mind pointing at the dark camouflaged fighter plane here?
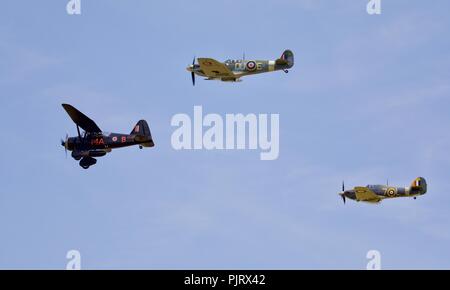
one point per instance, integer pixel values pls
(376, 193)
(233, 70)
(95, 143)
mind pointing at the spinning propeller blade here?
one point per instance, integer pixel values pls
(192, 73)
(65, 143)
(343, 191)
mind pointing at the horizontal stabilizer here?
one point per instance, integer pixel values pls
(419, 185)
(286, 59)
(142, 134)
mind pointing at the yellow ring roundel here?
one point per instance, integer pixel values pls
(391, 192)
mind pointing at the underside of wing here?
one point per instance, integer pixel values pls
(81, 119)
(365, 194)
(214, 69)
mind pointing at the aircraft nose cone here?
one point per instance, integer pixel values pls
(342, 194)
(190, 68)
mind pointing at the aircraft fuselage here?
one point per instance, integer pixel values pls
(243, 68)
(384, 192)
(377, 193)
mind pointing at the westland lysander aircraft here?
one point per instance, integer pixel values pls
(376, 193)
(233, 70)
(95, 143)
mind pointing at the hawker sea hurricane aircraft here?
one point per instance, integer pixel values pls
(95, 143)
(376, 193)
(233, 70)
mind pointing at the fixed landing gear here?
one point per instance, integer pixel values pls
(86, 162)
(286, 71)
(140, 147)
(415, 197)
(75, 156)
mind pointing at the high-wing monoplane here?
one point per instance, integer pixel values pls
(93, 142)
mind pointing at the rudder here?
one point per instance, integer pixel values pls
(288, 56)
(419, 185)
(142, 134)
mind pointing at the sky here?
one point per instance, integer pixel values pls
(367, 100)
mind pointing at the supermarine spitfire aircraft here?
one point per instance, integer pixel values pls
(95, 143)
(233, 70)
(376, 193)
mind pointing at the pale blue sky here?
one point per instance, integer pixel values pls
(367, 100)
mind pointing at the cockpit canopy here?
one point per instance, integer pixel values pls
(233, 61)
(371, 186)
(96, 134)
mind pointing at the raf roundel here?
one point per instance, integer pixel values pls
(391, 192)
(251, 65)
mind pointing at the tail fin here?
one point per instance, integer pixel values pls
(142, 134)
(287, 58)
(419, 185)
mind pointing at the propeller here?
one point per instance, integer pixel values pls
(65, 143)
(192, 73)
(343, 190)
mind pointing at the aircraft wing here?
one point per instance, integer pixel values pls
(81, 119)
(212, 68)
(365, 194)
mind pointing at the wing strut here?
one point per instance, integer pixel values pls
(78, 130)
